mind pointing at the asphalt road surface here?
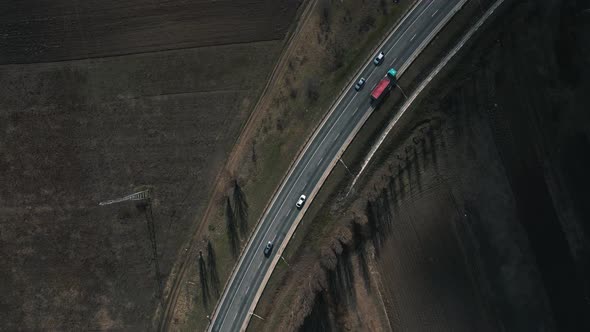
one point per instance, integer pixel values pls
(238, 297)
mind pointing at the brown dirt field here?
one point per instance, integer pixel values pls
(74, 133)
(423, 268)
(45, 31)
(473, 207)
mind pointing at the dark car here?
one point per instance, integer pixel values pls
(268, 249)
(359, 85)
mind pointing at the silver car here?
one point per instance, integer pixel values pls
(301, 201)
(359, 85)
(379, 58)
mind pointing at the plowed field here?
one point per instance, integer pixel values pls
(146, 104)
(42, 31)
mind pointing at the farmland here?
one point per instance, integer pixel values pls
(62, 30)
(102, 100)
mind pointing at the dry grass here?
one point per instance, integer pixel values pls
(316, 68)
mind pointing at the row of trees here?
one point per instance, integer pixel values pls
(208, 274)
(236, 218)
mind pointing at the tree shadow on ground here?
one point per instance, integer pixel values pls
(203, 278)
(319, 318)
(358, 242)
(379, 219)
(212, 268)
(416, 163)
(374, 227)
(240, 208)
(232, 231)
(341, 279)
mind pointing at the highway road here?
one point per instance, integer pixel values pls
(319, 156)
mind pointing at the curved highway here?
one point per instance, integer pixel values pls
(321, 153)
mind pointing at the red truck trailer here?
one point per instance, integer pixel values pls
(383, 87)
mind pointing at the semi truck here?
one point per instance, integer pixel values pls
(383, 87)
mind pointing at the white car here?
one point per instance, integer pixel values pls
(300, 202)
(379, 58)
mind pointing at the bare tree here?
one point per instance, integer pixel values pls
(231, 228)
(203, 279)
(240, 208)
(212, 267)
(325, 7)
(312, 88)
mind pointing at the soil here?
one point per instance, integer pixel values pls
(75, 133)
(46, 31)
(474, 214)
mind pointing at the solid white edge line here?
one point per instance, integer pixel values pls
(283, 245)
(247, 320)
(288, 195)
(275, 196)
(421, 87)
(409, 26)
(245, 323)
